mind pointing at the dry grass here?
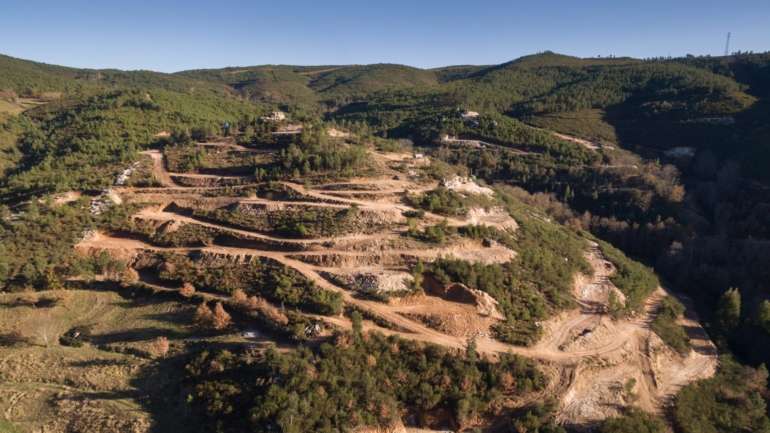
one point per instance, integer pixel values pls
(10, 108)
(93, 388)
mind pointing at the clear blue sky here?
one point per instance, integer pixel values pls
(174, 35)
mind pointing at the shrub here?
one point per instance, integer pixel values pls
(635, 421)
(159, 347)
(666, 327)
(634, 279)
(187, 290)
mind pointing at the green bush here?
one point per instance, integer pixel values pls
(635, 421)
(731, 401)
(635, 280)
(664, 324)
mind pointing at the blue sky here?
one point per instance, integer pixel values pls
(175, 35)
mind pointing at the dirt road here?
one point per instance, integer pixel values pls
(158, 168)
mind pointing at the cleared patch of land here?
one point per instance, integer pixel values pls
(597, 364)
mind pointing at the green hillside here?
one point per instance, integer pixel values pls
(457, 182)
(359, 81)
(276, 84)
(308, 85)
(29, 78)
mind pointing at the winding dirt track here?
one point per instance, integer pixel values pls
(159, 169)
(573, 340)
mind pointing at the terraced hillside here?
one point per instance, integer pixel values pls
(375, 255)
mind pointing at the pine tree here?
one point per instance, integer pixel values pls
(729, 310)
(357, 322)
(764, 315)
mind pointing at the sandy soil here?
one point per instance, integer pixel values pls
(66, 197)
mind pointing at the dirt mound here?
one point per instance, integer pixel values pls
(169, 227)
(457, 324)
(495, 216)
(474, 251)
(379, 282)
(93, 243)
(485, 304)
(600, 389)
(66, 197)
(466, 185)
(336, 133)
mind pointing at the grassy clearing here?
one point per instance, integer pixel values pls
(95, 387)
(101, 386)
(8, 107)
(589, 124)
(192, 158)
(7, 427)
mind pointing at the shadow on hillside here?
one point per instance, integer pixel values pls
(698, 335)
(163, 391)
(182, 316)
(660, 132)
(98, 363)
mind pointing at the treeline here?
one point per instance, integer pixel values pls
(655, 89)
(731, 401)
(34, 79)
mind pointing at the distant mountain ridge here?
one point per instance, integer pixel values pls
(311, 84)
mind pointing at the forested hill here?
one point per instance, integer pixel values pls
(27, 78)
(537, 84)
(666, 159)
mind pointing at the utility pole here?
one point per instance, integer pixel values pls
(727, 45)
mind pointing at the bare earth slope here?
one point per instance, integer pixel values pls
(598, 365)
